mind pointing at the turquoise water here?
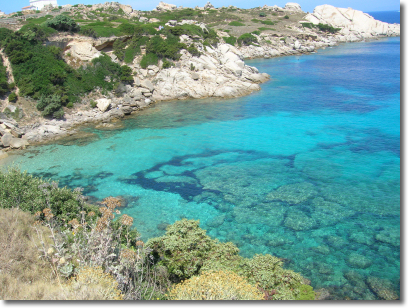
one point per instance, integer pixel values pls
(307, 169)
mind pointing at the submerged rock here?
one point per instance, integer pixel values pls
(382, 288)
(359, 261)
(293, 193)
(299, 221)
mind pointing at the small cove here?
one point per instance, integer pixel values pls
(307, 169)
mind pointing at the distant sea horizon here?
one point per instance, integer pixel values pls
(390, 17)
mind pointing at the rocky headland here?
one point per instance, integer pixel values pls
(207, 70)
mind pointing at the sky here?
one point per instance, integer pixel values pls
(307, 5)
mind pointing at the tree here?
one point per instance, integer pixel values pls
(63, 23)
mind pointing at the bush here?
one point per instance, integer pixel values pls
(257, 32)
(167, 64)
(88, 32)
(93, 104)
(306, 293)
(267, 22)
(262, 14)
(149, 59)
(236, 24)
(219, 285)
(193, 51)
(286, 17)
(4, 85)
(63, 23)
(33, 195)
(70, 105)
(230, 40)
(247, 39)
(327, 28)
(12, 97)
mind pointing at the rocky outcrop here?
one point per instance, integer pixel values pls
(83, 51)
(293, 7)
(218, 72)
(352, 22)
(165, 7)
(208, 6)
(11, 136)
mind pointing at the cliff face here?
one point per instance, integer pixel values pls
(352, 22)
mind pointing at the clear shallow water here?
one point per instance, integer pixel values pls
(307, 169)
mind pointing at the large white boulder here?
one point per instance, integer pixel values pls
(83, 50)
(294, 7)
(350, 20)
(165, 6)
(103, 104)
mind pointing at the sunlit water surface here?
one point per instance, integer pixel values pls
(307, 169)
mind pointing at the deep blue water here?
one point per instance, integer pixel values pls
(387, 16)
(307, 169)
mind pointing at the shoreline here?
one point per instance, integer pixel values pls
(74, 121)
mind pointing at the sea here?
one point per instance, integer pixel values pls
(307, 168)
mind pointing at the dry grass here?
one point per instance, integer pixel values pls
(23, 275)
(220, 285)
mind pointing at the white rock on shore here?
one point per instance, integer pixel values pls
(351, 21)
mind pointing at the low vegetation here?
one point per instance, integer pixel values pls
(68, 249)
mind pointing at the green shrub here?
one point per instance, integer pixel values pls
(257, 32)
(12, 97)
(193, 51)
(63, 23)
(70, 105)
(167, 64)
(31, 194)
(255, 20)
(308, 25)
(230, 40)
(306, 293)
(286, 17)
(236, 24)
(4, 85)
(93, 104)
(215, 285)
(247, 39)
(149, 59)
(51, 106)
(88, 32)
(267, 22)
(327, 28)
(262, 14)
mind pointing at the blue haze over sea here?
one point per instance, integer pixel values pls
(307, 169)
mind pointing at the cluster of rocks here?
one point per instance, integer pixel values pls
(12, 137)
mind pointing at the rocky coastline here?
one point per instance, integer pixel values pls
(217, 72)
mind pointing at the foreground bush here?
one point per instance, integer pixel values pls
(220, 285)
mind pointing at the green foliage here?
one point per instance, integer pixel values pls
(167, 64)
(51, 106)
(63, 23)
(193, 51)
(247, 39)
(183, 249)
(308, 25)
(88, 32)
(306, 293)
(262, 14)
(230, 40)
(267, 272)
(4, 86)
(33, 195)
(165, 48)
(327, 28)
(119, 49)
(70, 105)
(286, 17)
(257, 32)
(33, 32)
(12, 97)
(267, 22)
(236, 24)
(126, 74)
(93, 104)
(255, 20)
(149, 59)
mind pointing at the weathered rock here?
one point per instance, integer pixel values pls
(147, 84)
(208, 6)
(195, 76)
(17, 143)
(127, 109)
(293, 193)
(350, 20)
(103, 104)
(6, 139)
(216, 221)
(143, 19)
(299, 221)
(82, 50)
(165, 6)
(294, 7)
(382, 288)
(359, 261)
